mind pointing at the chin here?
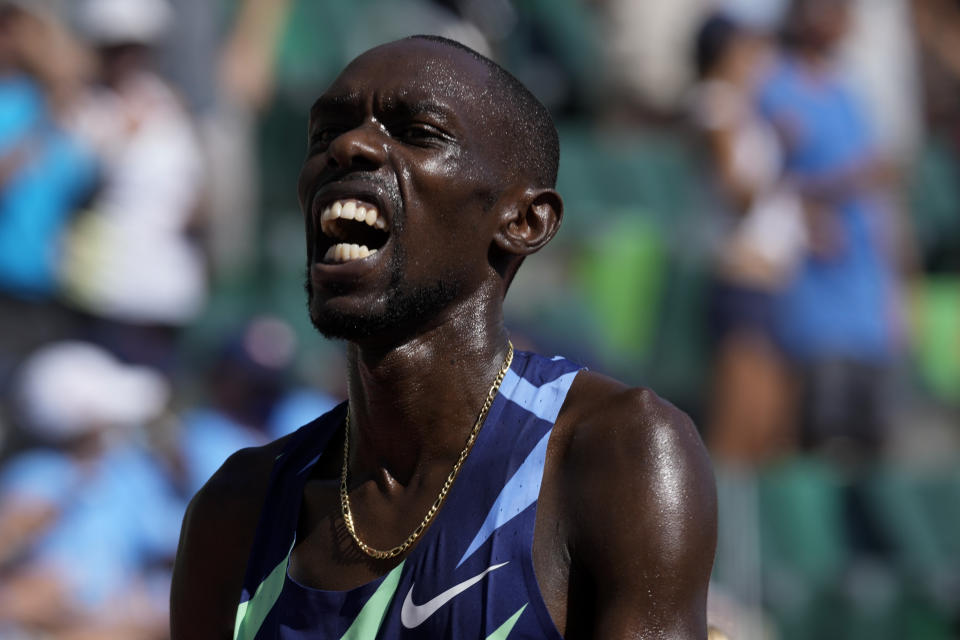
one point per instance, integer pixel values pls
(404, 311)
(336, 325)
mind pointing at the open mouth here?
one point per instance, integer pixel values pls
(355, 229)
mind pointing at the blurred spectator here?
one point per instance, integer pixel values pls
(88, 523)
(879, 56)
(44, 176)
(646, 44)
(937, 24)
(750, 410)
(244, 86)
(249, 401)
(131, 261)
(838, 316)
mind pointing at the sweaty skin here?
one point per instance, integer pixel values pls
(626, 522)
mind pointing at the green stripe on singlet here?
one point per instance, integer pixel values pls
(504, 630)
(367, 623)
(252, 613)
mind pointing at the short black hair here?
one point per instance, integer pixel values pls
(536, 143)
(713, 41)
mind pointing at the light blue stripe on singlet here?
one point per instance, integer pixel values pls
(523, 488)
(543, 401)
(520, 492)
(310, 464)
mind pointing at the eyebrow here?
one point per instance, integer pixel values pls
(335, 104)
(344, 104)
(418, 107)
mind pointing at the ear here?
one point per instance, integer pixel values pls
(530, 223)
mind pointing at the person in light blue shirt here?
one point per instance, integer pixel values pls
(45, 175)
(836, 318)
(89, 518)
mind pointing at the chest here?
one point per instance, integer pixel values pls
(492, 563)
(468, 571)
(325, 556)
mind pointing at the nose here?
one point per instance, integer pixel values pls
(363, 147)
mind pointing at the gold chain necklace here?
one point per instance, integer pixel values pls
(403, 546)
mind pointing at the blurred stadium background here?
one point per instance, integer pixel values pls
(152, 315)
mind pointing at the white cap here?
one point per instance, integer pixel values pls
(69, 388)
(108, 22)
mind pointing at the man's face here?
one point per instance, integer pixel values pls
(402, 165)
(827, 22)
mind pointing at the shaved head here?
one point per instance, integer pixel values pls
(532, 134)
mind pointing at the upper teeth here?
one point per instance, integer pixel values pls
(351, 210)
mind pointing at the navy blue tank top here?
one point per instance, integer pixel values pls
(471, 574)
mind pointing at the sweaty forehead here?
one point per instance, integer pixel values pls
(412, 71)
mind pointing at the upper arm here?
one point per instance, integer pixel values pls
(644, 508)
(215, 540)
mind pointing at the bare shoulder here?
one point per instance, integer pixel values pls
(635, 430)
(642, 507)
(215, 540)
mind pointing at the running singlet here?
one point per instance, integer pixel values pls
(470, 577)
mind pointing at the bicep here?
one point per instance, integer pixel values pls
(646, 511)
(215, 540)
(201, 595)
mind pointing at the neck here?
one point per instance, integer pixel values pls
(412, 404)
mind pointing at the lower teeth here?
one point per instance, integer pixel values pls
(345, 252)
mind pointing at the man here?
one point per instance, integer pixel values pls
(578, 508)
(838, 318)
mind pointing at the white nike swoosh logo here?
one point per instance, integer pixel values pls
(412, 615)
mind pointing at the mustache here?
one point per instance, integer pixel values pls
(384, 186)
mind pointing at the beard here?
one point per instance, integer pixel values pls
(406, 308)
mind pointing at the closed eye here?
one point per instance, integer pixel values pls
(420, 134)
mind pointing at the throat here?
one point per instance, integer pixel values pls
(417, 406)
(420, 456)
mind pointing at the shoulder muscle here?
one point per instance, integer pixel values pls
(643, 512)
